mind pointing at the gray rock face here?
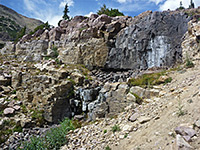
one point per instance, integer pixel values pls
(154, 41)
(32, 51)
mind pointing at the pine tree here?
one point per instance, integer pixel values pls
(109, 12)
(66, 11)
(191, 4)
(181, 5)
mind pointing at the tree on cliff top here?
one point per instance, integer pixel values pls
(110, 12)
(66, 11)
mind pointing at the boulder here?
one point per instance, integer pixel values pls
(181, 144)
(186, 132)
(4, 81)
(133, 117)
(8, 111)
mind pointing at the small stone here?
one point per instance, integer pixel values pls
(126, 128)
(144, 119)
(16, 107)
(121, 136)
(8, 111)
(134, 117)
(197, 123)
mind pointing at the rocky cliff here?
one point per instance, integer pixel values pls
(43, 79)
(146, 41)
(11, 22)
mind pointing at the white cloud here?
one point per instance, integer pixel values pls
(64, 2)
(156, 1)
(48, 13)
(53, 20)
(121, 1)
(30, 5)
(174, 4)
(124, 1)
(88, 15)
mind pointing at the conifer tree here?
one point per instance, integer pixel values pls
(66, 11)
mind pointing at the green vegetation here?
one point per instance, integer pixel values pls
(115, 128)
(189, 63)
(81, 29)
(110, 12)
(53, 139)
(38, 116)
(147, 80)
(7, 128)
(24, 109)
(66, 11)
(180, 111)
(181, 6)
(105, 131)
(138, 98)
(42, 26)
(55, 50)
(1, 112)
(20, 34)
(107, 148)
(72, 81)
(13, 92)
(126, 135)
(9, 28)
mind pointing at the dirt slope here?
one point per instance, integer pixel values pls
(183, 93)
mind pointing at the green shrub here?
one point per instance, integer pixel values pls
(53, 139)
(180, 111)
(35, 143)
(107, 148)
(105, 131)
(115, 128)
(189, 63)
(42, 26)
(148, 80)
(109, 12)
(126, 135)
(38, 116)
(20, 34)
(55, 50)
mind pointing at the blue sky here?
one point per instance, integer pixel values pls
(52, 10)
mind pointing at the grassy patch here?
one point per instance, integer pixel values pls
(53, 139)
(107, 148)
(7, 128)
(105, 131)
(189, 63)
(148, 80)
(126, 135)
(180, 111)
(138, 98)
(38, 116)
(115, 128)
